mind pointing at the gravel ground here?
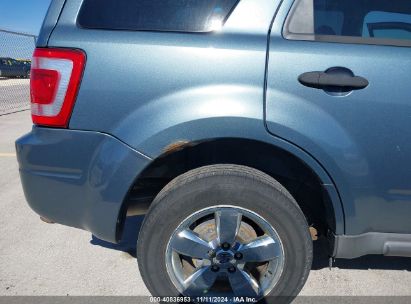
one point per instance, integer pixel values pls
(42, 259)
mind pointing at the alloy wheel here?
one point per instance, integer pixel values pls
(225, 251)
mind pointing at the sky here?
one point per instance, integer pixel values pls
(23, 15)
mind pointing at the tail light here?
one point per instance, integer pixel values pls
(54, 83)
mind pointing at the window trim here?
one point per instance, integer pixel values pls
(153, 30)
(336, 38)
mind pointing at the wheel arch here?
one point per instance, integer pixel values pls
(295, 169)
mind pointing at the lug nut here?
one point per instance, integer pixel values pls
(225, 246)
(215, 268)
(238, 256)
(232, 269)
(211, 254)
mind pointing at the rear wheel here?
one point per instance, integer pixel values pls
(224, 230)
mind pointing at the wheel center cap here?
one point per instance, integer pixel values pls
(224, 257)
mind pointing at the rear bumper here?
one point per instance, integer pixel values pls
(78, 178)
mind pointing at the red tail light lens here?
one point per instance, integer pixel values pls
(54, 84)
(44, 85)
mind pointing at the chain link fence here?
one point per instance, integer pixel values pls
(16, 50)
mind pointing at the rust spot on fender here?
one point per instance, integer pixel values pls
(177, 146)
(314, 233)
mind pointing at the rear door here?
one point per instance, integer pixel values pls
(339, 86)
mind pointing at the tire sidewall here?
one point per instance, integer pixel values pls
(270, 203)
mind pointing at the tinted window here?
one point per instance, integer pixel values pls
(356, 21)
(387, 25)
(155, 15)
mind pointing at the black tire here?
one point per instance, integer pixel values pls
(225, 184)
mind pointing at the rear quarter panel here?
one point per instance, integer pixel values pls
(150, 89)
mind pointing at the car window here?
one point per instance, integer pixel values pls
(155, 15)
(387, 25)
(351, 21)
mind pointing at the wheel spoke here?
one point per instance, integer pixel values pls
(243, 284)
(190, 244)
(261, 249)
(200, 282)
(227, 225)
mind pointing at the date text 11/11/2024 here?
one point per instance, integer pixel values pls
(202, 300)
